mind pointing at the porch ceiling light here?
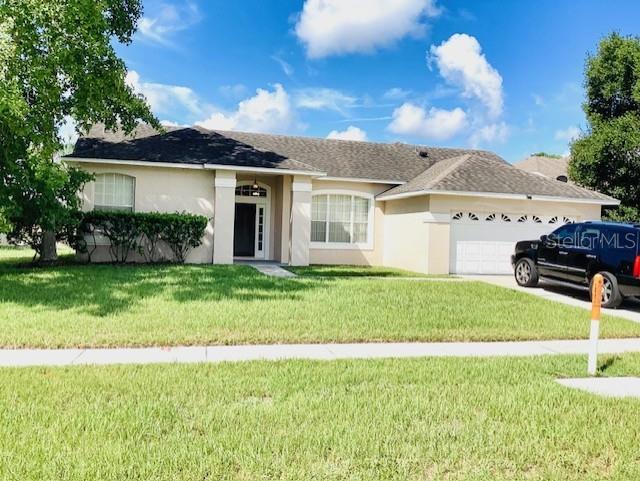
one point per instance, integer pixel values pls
(255, 188)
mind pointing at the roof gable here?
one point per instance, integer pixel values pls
(478, 174)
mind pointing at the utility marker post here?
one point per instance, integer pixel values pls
(596, 303)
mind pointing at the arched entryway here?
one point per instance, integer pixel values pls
(252, 220)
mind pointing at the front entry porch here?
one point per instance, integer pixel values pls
(262, 217)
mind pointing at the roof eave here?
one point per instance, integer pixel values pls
(497, 195)
(363, 180)
(177, 165)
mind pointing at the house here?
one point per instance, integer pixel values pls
(545, 166)
(300, 200)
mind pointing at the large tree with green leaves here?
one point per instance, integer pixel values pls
(607, 156)
(57, 62)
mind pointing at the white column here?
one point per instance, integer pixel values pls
(285, 223)
(224, 216)
(300, 220)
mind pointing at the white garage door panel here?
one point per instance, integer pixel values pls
(483, 257)
(485, 247)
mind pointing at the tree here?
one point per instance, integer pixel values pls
(607, 157)
(57, 62)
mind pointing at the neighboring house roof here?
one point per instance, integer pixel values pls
(550, 167)
(416, 168)
(472, 173)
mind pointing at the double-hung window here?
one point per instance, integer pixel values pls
(341, 219)
(114, 192)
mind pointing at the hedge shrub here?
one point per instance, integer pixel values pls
(143, 233)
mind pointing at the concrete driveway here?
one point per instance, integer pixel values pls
(630, 309)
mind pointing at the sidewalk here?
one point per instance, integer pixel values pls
(192, 354)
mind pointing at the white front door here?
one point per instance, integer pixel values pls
(482, 243)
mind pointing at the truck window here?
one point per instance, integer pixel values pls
(590, 237)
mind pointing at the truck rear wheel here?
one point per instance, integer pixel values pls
(611, 295)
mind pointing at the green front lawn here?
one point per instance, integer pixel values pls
(104, 305)
(352, 271)
(428, 419)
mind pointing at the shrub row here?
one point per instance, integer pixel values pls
(142, 233)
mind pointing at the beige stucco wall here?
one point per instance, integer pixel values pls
(373, 256)
(418, 239)
(165, 190)
(406, 236)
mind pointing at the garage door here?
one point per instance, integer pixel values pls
(482, 243)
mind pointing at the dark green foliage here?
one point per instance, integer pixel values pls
(57, 62)
(613, 79)
(142, 233)
(607, 157)
(183, 232)
(49, 196)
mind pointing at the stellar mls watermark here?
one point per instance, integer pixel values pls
(594, 240)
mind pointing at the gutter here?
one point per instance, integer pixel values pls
(175, 165)
(495, 195)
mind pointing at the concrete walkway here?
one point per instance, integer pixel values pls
(566, 295)
(271, 269)
(154, 355)
(606, 386)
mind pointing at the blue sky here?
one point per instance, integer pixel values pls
(501, 75)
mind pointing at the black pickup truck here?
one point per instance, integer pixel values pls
(574, 253)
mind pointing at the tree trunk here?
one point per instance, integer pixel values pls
(49, 252)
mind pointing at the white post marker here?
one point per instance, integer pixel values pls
(596, 303)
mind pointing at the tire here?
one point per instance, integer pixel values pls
(611, 295)
(526, 273)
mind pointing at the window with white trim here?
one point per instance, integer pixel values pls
(114, 192)
(340, 218)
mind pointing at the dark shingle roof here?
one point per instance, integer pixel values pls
(362, 160)
(419, 168)
(179, 145)
(474, 173)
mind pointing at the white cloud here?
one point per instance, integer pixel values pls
(396, 93)
(324, 99)
(350, 133)
(166, 99)
(461, 62)
(284, 65)
(569, 134)
(334, 27)
(267, 111)
(171, 123)
(491, 133)
(162, 25)
(434, 124)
